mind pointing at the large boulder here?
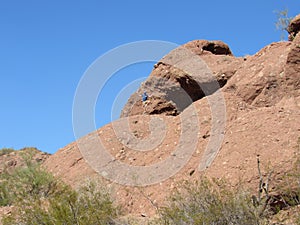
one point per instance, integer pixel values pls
(294, 27)
(215, 47)
(190, 73)
(187, 74)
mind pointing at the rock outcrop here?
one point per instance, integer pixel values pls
(292, 69)
(260, 80)
(178, 78)
(215, 47)
(262, 102)
(294, 27)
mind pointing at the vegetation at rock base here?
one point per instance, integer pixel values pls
(28, 182)
(5, 151)
(289, 190)
(84, 206)
(212, 202)
(39, 198)
(207, 202)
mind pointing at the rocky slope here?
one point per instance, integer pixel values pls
(261, 96)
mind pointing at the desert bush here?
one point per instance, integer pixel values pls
(40, 198)
(86, 206)
(25, 183)
(289, 187)
(294, 181)
(5, 151)
(205, 202)
(283, 21)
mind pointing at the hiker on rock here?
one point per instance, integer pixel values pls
(145, 100)
(144, 97)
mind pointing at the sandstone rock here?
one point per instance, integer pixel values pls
(154, 105)
(261, 79)
(292, 68)
(262, 100)
(294, 27)
(271, 132)
(201, 46)
(185, 75)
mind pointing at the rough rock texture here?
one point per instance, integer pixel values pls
(69, 164)
(178, 78)
(271, 132)
(154, 105)
(261, 81)
(292, 69)
(262, 103)
(201, 46)
(294, 27)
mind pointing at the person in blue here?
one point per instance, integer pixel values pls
(144, 97)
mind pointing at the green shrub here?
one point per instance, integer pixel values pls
(293, 182)
(87, 206)
(40, 198)
(204, 202)
(5, 151)
(288, 189)
(25, 183)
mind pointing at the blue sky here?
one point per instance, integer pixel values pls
(46, 46)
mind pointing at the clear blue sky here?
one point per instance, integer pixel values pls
(46, 46)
